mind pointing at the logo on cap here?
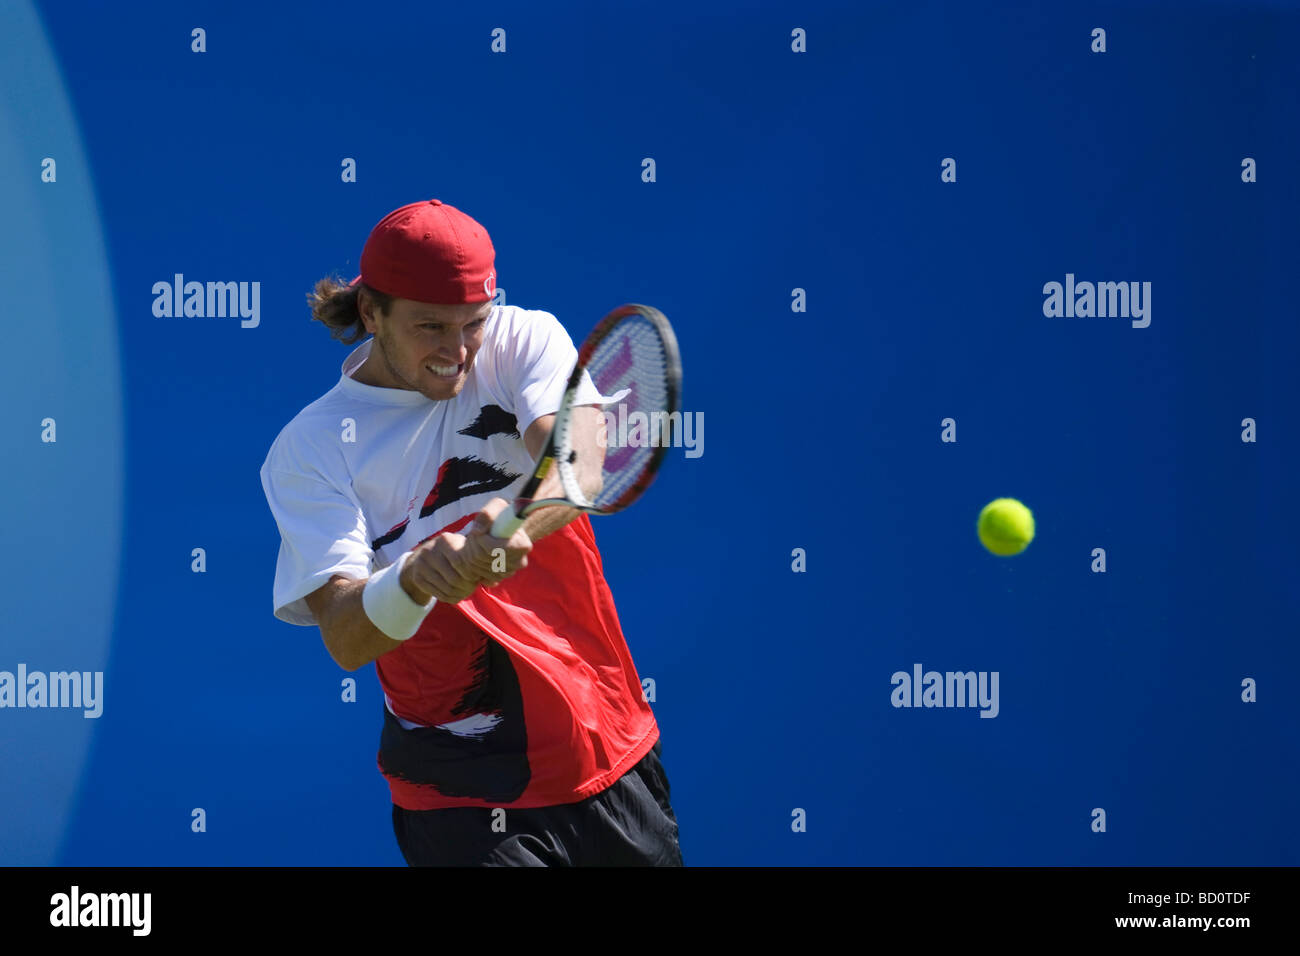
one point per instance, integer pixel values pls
(490, 283)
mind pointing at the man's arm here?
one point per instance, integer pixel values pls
(588, 439)
(451, 567)
(351, 637)
(352, 640)
(586, 428)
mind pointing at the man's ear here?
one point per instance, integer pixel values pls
(366, 306)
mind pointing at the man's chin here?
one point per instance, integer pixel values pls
(439, 388)
(442, 391)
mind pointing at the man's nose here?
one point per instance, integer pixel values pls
(453, 345)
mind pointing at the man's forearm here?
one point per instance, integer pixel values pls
(552, 518)
(586, 430)
(350, 636)
(548, 520)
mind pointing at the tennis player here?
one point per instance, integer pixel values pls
(515, 731)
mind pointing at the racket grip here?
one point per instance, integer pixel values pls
(506, 524)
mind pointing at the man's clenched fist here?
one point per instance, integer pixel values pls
(493, 559)
(451, 566)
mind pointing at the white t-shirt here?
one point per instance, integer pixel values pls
(363, 473)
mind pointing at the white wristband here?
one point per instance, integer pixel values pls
(388, 605)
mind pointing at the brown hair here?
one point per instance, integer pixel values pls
(334, 304)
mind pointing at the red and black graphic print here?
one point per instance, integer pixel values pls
(481, 749)
(467, 475)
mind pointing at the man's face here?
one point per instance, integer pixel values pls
(421, 347)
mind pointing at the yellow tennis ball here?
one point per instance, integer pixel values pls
(1005, 526)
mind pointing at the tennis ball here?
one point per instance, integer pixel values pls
(1005, 526)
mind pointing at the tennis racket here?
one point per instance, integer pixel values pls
(632, 360)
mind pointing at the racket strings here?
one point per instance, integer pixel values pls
(632, 358)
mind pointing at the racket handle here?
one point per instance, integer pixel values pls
(506, 524)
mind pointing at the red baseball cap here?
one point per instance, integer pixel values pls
(430, 252)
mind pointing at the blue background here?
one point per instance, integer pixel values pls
(775, 171)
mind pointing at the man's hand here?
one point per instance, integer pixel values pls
(491, 559)
(451, 566)
(433, 571)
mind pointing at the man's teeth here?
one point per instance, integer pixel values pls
(443, 369)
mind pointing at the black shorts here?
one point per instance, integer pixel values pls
(630, 823)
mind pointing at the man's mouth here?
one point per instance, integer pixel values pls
(445, 371)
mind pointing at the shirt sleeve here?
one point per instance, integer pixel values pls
(322, 533)
(539, 365)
